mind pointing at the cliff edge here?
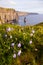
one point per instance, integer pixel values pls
(8, 15)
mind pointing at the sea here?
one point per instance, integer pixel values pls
(31, 19)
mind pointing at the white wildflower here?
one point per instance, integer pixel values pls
(33, 31)
(5, 35)
(12, 44)
(11, 36)
(19, 45)
(9, 29)
(19, 52)
(14, 56)
(30, 42)
(31, 34)
(36, 49)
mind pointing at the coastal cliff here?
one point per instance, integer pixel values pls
(7, 15)
(22, 13)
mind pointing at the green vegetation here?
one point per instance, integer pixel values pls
(21, 45)
(40, 24)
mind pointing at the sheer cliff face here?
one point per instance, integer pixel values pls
(8, 14)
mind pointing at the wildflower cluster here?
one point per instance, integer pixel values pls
(19, 52)
(13, 44)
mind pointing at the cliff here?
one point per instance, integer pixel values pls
(7, 14)
(22, 13)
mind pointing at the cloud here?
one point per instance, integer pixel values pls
(21, 5)
(12, 2)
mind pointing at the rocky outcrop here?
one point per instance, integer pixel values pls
(8, 15)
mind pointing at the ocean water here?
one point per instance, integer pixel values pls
(31, 19)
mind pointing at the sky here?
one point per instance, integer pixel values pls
(35, 6)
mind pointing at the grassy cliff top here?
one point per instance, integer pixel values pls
(40, 24)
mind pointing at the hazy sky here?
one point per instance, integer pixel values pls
(24, 5)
